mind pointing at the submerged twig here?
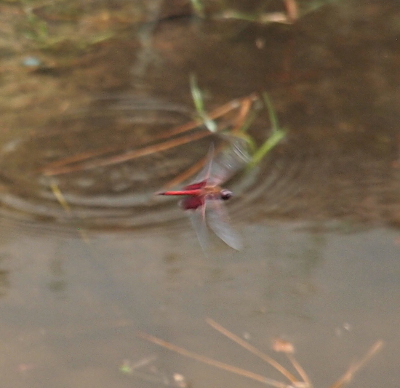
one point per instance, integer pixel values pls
(210, 361)
(253, 350)
(63, 202)
(83, 160)
(348, 375)
(60, 197)
(287, 348)
(149, 150)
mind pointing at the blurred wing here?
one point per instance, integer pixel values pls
(204, 173)
(218, 221)
(229, 161)
(199, 226)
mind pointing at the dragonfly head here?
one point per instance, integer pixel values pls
(225, 194)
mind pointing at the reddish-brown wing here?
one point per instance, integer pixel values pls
(192, 202)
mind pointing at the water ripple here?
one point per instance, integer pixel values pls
(313, 177)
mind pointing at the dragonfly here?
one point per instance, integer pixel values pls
(205, 197)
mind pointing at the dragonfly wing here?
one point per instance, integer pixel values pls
(218, 221)
(204, 173)
(192, 203)
(199, 225)
(229, 161)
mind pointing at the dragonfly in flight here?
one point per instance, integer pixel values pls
(204, 198)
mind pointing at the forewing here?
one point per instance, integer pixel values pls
(218, 221)
(195, 186)
(205, 172)
(233, 158)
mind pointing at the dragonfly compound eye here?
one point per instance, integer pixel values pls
(226, 194)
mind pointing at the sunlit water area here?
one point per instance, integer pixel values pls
(103, 283)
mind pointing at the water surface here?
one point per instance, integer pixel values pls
(319, 216)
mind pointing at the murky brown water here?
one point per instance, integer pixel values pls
(319, 215)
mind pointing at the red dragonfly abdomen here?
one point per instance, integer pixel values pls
(192, 193)
(194, 189)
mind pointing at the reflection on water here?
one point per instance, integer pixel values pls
(73, 302)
